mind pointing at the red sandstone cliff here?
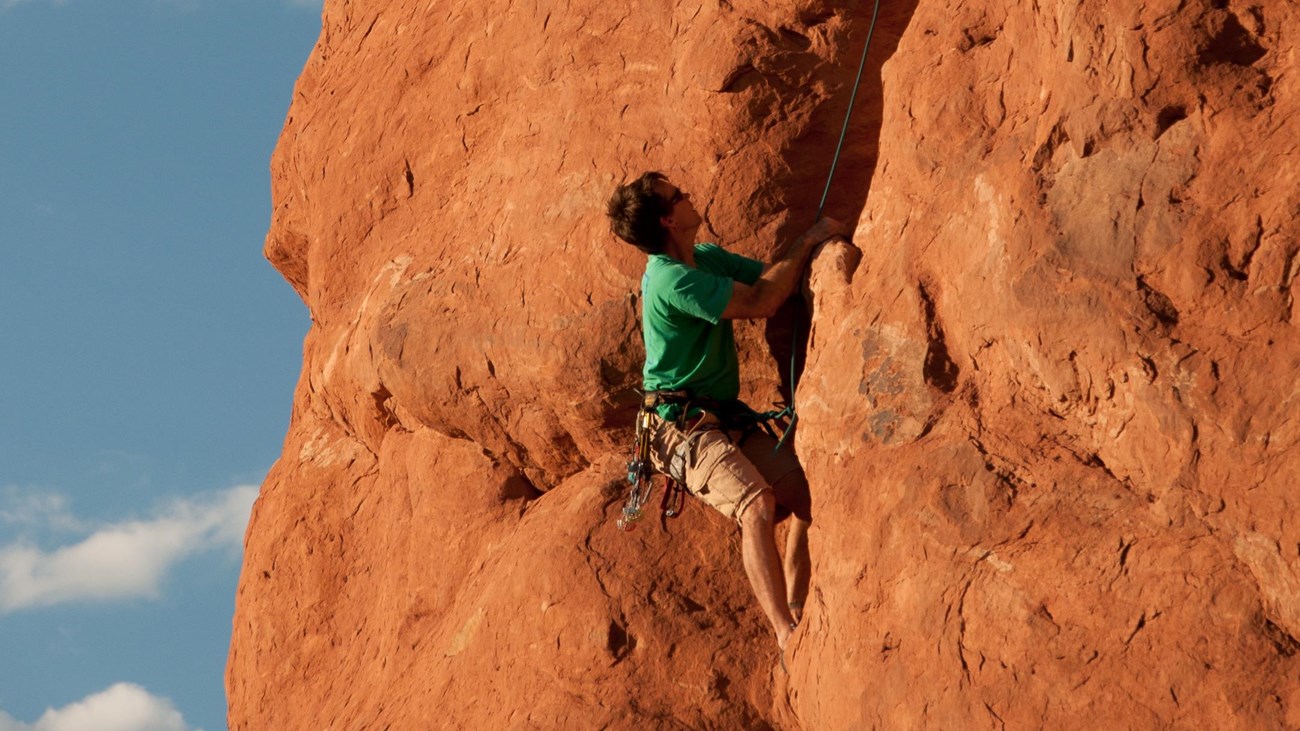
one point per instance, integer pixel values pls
(1048, 412)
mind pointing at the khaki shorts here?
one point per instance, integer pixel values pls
(724, 475)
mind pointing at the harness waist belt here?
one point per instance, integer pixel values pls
(654, 399)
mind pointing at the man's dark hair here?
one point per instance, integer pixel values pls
(634, 212)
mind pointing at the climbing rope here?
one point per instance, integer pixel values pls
(848, 113)
(835, 161)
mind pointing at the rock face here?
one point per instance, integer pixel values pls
(1048, 409)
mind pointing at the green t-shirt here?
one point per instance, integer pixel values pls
(687, 343)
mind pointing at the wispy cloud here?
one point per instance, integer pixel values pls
(33, 508)
(121, 707)
(5, 5)
(121, 560)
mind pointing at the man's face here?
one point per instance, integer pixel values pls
(682, 219)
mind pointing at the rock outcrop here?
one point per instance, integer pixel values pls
(1047, 407)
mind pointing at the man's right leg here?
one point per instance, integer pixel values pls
(781, 469)
(798, 566)
(763, 564)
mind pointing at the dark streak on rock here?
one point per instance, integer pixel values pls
(1280, 639)
(1158, 303)
(939, 370)
(739, 79)
(1232, 44)
(1168, 117)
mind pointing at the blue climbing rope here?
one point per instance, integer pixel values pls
(835, 161)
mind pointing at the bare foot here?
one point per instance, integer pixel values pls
(783, 637)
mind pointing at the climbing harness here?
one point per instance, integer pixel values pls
(835, 161)
(728, 416)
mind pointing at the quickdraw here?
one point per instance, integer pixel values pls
(638, 474)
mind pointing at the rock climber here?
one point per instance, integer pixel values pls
(689, 294)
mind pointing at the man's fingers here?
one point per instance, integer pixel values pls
(836, 239)
(827, 228)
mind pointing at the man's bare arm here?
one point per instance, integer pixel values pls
(780, 278)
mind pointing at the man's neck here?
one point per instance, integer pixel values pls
(681, 251)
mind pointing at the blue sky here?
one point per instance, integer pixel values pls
(147, 351)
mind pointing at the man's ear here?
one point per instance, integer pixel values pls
(666, 222)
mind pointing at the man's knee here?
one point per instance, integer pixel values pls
(760, 511)
(793, 497)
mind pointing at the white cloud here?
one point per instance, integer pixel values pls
(121, 707)
(123, 560)
(27, 508)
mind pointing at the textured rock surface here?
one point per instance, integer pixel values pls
(1048, 409)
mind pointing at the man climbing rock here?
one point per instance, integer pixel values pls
(700, 434)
